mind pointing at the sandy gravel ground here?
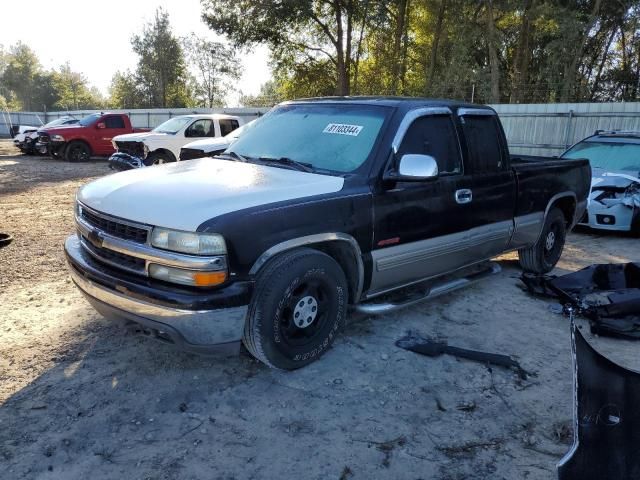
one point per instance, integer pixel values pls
(80, 399)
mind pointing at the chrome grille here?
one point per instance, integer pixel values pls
(114, 226)
(113, 258)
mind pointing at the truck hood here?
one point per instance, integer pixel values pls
(209, 144)
(139, 137)
(61, 129)
(183, 195)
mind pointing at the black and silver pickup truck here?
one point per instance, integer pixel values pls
(325, 206)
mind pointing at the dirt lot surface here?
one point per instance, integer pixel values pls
(81, 399)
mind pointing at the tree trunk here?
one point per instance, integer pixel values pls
(431, 68)
(405, 47)
(356, 64)
(493, 55)
(572, 66)
(522, 56)
(397, 40)
(596, 82)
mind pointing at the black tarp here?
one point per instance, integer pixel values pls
(606, 418)
(607, 294)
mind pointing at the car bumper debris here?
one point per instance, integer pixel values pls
(606, 417)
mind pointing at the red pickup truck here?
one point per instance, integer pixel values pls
(91, 136)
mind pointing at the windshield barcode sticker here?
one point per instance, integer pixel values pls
(343, 129)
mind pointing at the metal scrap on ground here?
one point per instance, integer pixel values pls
(607, 294)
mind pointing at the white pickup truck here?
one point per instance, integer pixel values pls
(163, 143)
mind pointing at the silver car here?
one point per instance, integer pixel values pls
(614, 201)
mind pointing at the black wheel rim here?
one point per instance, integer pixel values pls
(78, 154)
(305, 312)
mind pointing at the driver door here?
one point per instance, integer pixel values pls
(421, 228)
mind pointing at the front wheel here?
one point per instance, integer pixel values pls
(77, 152)
(545, 253)
(159, 158)
(298, 308)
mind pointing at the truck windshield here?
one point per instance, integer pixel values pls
(608, 155)
(173, 125)
(329, 137)
(90, 119)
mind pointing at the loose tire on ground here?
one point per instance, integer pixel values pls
(545, 253)
(298, 308)
(77, 152)
(159, 158)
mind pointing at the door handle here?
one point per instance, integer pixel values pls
(464, 196)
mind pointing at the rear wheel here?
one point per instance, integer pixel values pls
(299, 306)
(545, 253)
(159, 158)
(77, 152)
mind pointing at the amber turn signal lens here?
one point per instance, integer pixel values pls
(209, 279)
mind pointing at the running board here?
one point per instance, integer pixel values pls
(435, 291)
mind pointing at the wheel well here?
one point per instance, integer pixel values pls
(78, 141)
(165, 151)
(342, 253)
(567, 206)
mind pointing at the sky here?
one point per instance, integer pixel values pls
(94, 36)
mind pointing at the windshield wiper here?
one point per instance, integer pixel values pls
(234, 156)
(302, 166)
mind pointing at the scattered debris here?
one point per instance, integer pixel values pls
(606, 417)
(469, 447)
(5, 239)
(346, 473)
(467, 406)
(433, 348)
(607, 294)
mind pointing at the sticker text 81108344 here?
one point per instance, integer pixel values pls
(343, 129)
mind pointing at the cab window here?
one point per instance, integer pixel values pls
(201, 128)
(114, 122)
(483, 135)
(227, 126)
(434, 135)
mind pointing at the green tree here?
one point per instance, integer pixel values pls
(268, 96)
(124, 91)
(161, 72)
(21, 70)
(311, 32)
(215, 67)
(73, 90)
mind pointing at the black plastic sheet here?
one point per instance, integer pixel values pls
(606, 418)
(607, 294)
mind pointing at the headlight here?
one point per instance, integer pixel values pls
(57, 138)
(188, 242)
(113, 144)
(145, 149)
(187, 277)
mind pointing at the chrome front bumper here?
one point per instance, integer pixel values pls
(199, 331)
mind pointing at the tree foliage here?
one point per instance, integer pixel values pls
(489, 50)
(214, 67)
(25, 85)
(161, 74)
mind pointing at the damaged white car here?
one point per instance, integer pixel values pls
(614, 201)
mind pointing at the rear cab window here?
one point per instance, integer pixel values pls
(114, 121)
(483, 135)
(228, 125)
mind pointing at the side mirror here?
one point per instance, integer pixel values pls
(414, 168)
(100, 125)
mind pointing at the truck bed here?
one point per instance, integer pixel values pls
(540, 178)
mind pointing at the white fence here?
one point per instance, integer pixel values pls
(535, 129)
(139, 118)
(548, 129)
